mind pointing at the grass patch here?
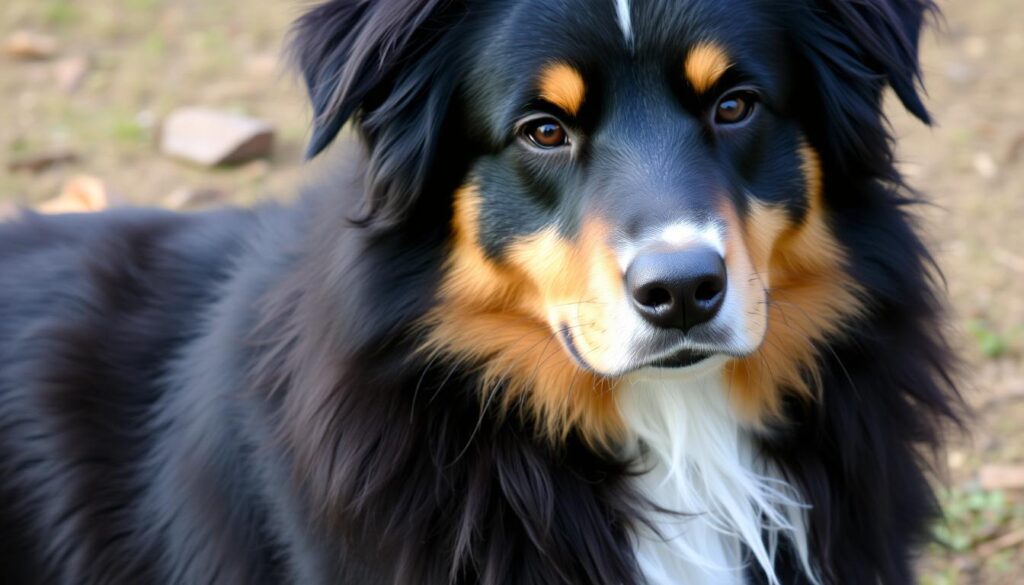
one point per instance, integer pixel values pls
(125, 128)
(60, 13)
(19, 146)
(142, 5)
(973, 516)
(991, 342)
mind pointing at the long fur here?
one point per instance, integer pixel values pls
(718, 500)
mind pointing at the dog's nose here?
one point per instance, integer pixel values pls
(679, 289)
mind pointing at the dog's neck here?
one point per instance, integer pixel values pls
(700, 466)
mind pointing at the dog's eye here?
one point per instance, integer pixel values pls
(546, 133)
(735, 107)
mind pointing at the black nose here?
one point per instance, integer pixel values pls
(678, 289)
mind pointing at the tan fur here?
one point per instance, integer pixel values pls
(810, 295)
(506, 317)
(563, 86)
(705, 64)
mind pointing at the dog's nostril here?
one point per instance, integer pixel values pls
(708, 290)
(655, 297)
(677, 289)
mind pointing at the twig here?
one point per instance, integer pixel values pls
(1008, 540)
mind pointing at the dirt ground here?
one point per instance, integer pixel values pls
(146, 57)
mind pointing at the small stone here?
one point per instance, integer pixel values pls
(213, 138)
(985, 165)
(956, 459)
(82, 194)
(28, 45)
(975, 47)
(193, 198)
(960, 72)
(1001, 477)
(39, 162)
(69, 73)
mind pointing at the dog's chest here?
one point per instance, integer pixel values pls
(699, 463)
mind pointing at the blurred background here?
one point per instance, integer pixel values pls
(187, 104)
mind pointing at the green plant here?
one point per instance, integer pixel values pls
(125, 128)
(60, 12)
(947, 577)
(991, 342)
(972, 516)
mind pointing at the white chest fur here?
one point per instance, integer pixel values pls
(700, 463)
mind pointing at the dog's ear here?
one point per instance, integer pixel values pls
(382, 65)
(855, 48)
(885, 33)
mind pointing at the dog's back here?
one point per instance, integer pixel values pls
(94, 309)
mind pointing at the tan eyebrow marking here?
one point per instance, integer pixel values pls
(563, 86)
(705, 64)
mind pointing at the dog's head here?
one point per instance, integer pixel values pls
(638, 183)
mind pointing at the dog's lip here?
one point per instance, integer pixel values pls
(678, 360)
(565, 334)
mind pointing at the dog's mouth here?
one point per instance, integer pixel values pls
(682, 359)
(678, 360)
(566, 337)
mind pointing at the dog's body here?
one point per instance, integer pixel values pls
(639, 303)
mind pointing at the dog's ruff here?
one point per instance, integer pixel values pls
(716, 498)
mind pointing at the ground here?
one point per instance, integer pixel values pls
(147, 57)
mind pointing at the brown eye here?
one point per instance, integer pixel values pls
(547, 133)
(735, 107)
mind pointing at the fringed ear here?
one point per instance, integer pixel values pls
(887, 33)
(855, 48)
(387, 65)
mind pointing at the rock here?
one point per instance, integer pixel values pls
(212, 138)
(39, 162)
(960, 73)
(69, 73)
(28, 45)
(956, 459)
(192, 198)
(976, 47)
(985, 165)
(81, 195)
(1001, 477)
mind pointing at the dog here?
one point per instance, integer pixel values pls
(601, 292)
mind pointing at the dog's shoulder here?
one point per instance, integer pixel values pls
(90, 276)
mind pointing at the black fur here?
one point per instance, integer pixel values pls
(234, 397)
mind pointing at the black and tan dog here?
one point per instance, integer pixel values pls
(613, 292)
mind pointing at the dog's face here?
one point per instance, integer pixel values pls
(640, 190)
(641, 170)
